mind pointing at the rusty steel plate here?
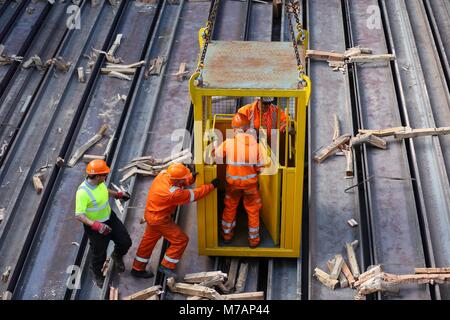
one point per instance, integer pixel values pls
(250, 65)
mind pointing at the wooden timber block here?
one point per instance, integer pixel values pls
(325, 279)
(348, 274)
(324, 55)
(212, 282)
(324, 153)
(90, 157)
(81, 150)
(145, 294)
(119, 75)
(234, 265)
(195, 298)
(193, 290)
(113, 293)
(352, 260)
(414, 133)
(370, 273)
(123, 71)
(2, 214)
(349, 163)
(352, 223)
(383, 132)
(126, 66)
(115, 45)
(245, 296)
(105, 267)
(431, 270)
(336, 132)
(371, 58)
(59, 162)
(5, 275)
(242, 278)
(37, 183)
(181, 72)
(7, 295)
(337, 267)
(81, 76)
(203, 276)
(155, 66)
(343, 281)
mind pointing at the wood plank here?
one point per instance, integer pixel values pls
(370, 273)
(337, 267)
(2, 214)
(372, 58)
(115, 45)
(119, 75)
(145, 294)
(348, 274)
(232, 273)
(245, 296)
(126, 66)
(5, 275)
(81, 150)
(349, 163)
(242, 278)
(324, 55)
(155, 66)
(113, 293)
(337, 131)
(431, 270)
(203, 276)
(324, 153)
(325, 279)
(81, 76)
(181, 74)
(90, 157)
(193, 290)
(343, 281)
(353, 223)
(352, 260)
(37, 183)
(124, 71)
(414, 133)
(382, 132)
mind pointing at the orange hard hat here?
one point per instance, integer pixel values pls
(178, 171)
(97, 167)
(240, 121)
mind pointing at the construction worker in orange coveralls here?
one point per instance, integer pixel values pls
(165, 194)
(269, 119)
(245, 161)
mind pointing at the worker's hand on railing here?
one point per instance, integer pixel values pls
(123, 195)
(101, 228)
(215, 182)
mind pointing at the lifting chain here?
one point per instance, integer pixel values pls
(206, 35)
(294, 7)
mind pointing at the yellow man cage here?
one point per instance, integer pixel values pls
(235, 73)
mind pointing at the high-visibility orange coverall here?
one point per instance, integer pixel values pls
(245, 160)
(162, 200)
(269, 118)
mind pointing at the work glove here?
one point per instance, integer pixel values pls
(123, 195)
(215, 182)
(101, 228)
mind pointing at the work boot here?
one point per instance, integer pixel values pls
(118, 262)
(253, 244)
(99, 279)
(169, 273)
(141, 274)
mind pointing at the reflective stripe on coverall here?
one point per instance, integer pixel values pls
(244, 159)
(162, 200)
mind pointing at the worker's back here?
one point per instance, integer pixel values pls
(159, 207)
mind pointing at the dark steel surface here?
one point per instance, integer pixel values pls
(329, 206)
(39, 127)
(131, 144)
(57, 223)
(8, 13)
(25, 82)
(393, 214)
(421, 92)
(19, 37)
